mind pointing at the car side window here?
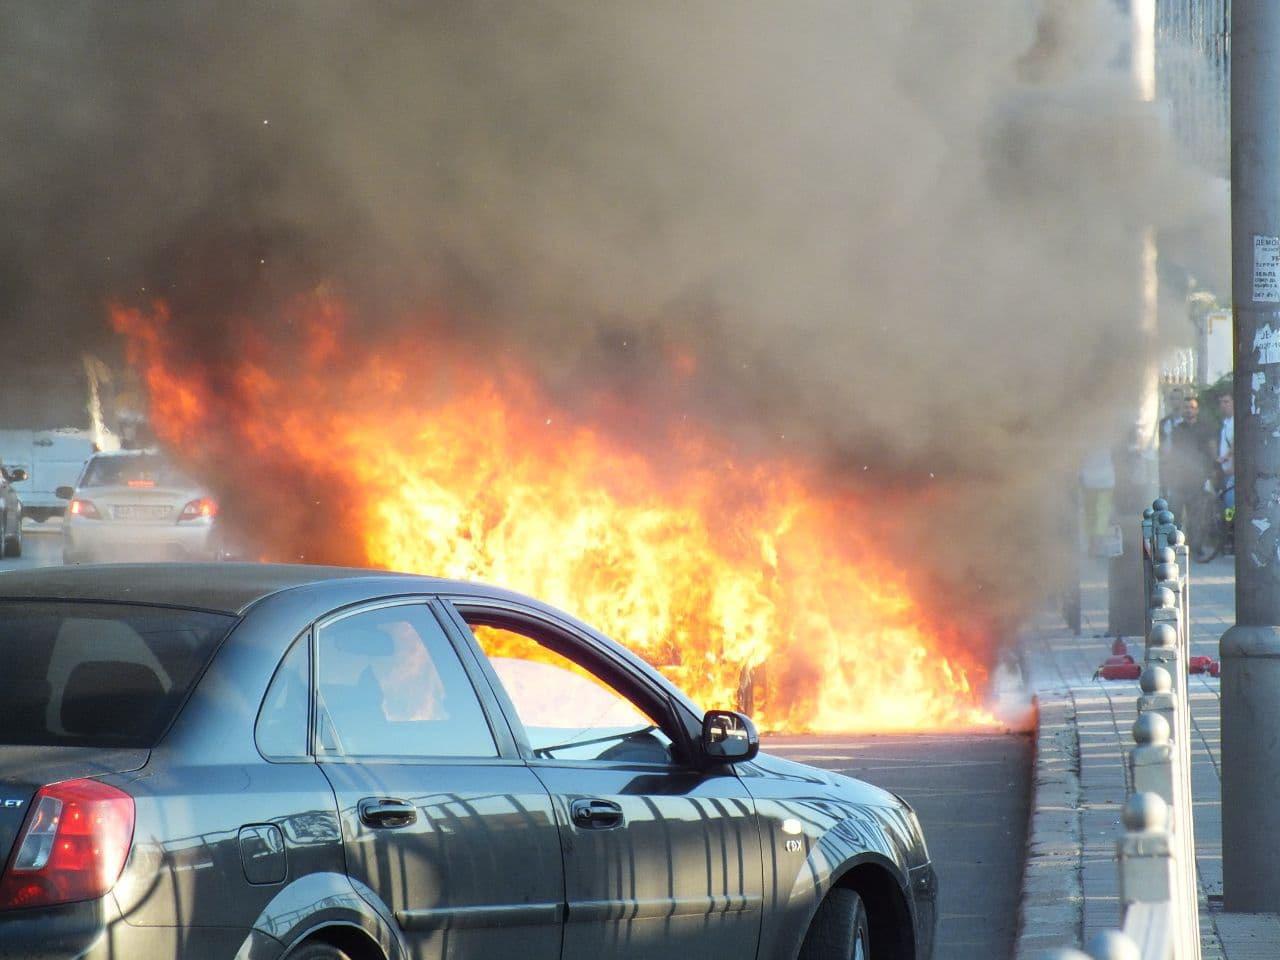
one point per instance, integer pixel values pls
(569, 711)
(286, 709)
(390, 684)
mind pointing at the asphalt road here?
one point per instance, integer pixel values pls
(41, 546)
(971, 794)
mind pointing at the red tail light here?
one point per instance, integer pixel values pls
(73, 846)
(204, 508)
(84, 508)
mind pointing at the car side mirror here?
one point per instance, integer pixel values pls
(729, 737)
(64, 493)
(16, 475)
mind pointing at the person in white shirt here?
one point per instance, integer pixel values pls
(1226, 447)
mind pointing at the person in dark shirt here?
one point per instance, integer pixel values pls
(1193, 455)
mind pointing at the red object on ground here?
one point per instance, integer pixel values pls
(1215, 668)
(1118, 648)
(1199, 664)
(1120, 671)
(1117, 661)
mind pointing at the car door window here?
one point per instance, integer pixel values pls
(390, 684)
(570, 712)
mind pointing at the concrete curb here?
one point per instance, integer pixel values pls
(1051, 914)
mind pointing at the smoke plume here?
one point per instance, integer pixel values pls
(900, 239)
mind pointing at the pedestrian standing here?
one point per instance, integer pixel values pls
(1173, 403)
(1193, 456)
(1226, 447)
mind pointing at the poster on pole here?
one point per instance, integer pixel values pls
(1266, 344)
(1266, 269)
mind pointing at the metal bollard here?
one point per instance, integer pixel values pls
(1145, 852)
(1162, 651)
(1168, 575)
(1157, 693)
(1113, 945)
(1165, 567)
(1163, 529)
(1182, 554)
(1148, 581)
(1151, 761)
(1166, 621)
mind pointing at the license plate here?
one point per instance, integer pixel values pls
(135, 512)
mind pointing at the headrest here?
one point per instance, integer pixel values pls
(119, 695)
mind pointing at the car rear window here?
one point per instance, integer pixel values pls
(140, 470)
(99, 674)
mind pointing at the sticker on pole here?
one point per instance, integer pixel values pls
(1266, 270)
(1266, 344)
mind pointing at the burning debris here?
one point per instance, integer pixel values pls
(749, 582)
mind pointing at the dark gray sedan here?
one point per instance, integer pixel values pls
(252, 762)
(11, 511)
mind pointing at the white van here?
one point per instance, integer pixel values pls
(52, 459)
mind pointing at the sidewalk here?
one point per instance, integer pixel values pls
(1071, 883)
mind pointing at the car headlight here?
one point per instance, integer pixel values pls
(913, 826)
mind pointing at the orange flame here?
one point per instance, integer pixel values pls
(746, 581)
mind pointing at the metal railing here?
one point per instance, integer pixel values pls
(1159, 902)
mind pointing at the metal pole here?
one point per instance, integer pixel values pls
(1250, 650)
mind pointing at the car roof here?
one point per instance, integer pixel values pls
(232, 588)
(219, 587)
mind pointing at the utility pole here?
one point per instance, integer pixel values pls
(1138, 473)
(1250, 650)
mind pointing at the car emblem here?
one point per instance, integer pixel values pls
(10, 804)
(793, 846)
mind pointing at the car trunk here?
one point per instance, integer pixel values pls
(25, 769)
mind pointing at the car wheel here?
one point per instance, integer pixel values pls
(840, 930)
(319, 951)
(13, 544)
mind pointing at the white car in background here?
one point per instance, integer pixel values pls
(50, 459)
(136, 505)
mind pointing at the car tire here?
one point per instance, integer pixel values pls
(13, 545)
(319, 951)
(840, 929)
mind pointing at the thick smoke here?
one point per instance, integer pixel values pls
(900, 238)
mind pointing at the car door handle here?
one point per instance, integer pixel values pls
(385, 812)
(595, 814)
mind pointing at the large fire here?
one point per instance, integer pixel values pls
(747, 581)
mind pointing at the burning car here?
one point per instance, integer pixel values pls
(313, 762)
(135, 504)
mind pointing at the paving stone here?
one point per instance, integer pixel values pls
(1248, 936)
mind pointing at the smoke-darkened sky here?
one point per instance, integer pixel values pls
(902, 234)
